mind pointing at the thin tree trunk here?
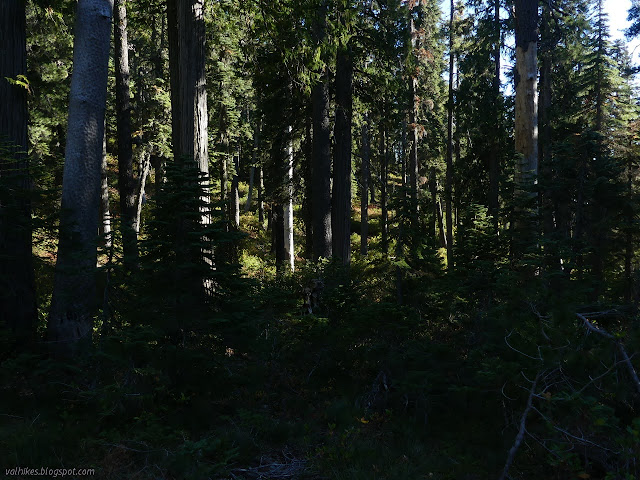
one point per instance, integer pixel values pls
(143, 169)
(364, 187)
(414, 166)
(433, 192)
(235, 195)
(449, 172)
(17, 284)
(494, 160)
(288, 206)
(341, 207)
(384, 162)
(105, 212)
(126, 180)
(307, 208)
(628, 254)
(261, 198)
(73, 305)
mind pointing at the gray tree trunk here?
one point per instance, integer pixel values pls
(73, 305)
(288, 206)
(17, 287)
(126, 180)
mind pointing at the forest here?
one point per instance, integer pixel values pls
(319, 239)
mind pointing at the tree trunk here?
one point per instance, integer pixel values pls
(449, 172)
(414, 166)
(261, 198)
(307, 209)
(17, 286)
(384, 162)
(341, 207)
(105, 211)
(433, 192)
(143, 169)
(364, 187)
(526, 103)
(288, 206)
(174, 75)
(126, 180)
(235, 195)
(494, 160)
(321, 186)
(73, 305)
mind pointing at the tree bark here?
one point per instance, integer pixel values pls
(288, 206)
(73, 305)
(261, 198)
(364, 187)
(235, 194)
(105, 211)
(449, 172)
(526, 108)
(307, 209)
(17, 285)
(384, 163)
(341, 207)
(126, 180)
(321, 186)
(414, 166)
(494, 160)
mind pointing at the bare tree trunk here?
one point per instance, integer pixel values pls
(235, 195)
(449, 172)
(364, 187)
(341, 207)
(105, 212)
(17, 285)
(494, 158)
(414, 166)
(384, 163)
(261, 198)
(143, 169)
(288, 206)
(307, 204)
(73, 305)
(433, 192)
(321, 186)
(126, 180)
(526, 81)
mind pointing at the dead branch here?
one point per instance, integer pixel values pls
(625, 356)
(521, 431)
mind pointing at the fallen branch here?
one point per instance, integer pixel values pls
(521, 431)
(625, 357)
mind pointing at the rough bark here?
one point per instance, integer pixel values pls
(174, 74)
(17, 287)
(73, 305)
(321, 185)
(526, 103)
(341, 206)
(235, 194)
(126, 180)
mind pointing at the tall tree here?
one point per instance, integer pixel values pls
(321, 186)
(526, 87)
(126, 180)
(73, 303)
(449, 171)
(341, 206)
(17, 289)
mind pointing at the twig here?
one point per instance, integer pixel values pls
(520, 352)
(521, 432)
(625, 357)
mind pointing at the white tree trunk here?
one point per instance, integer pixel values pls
(288, 209)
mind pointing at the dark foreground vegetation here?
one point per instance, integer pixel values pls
(318, 240)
